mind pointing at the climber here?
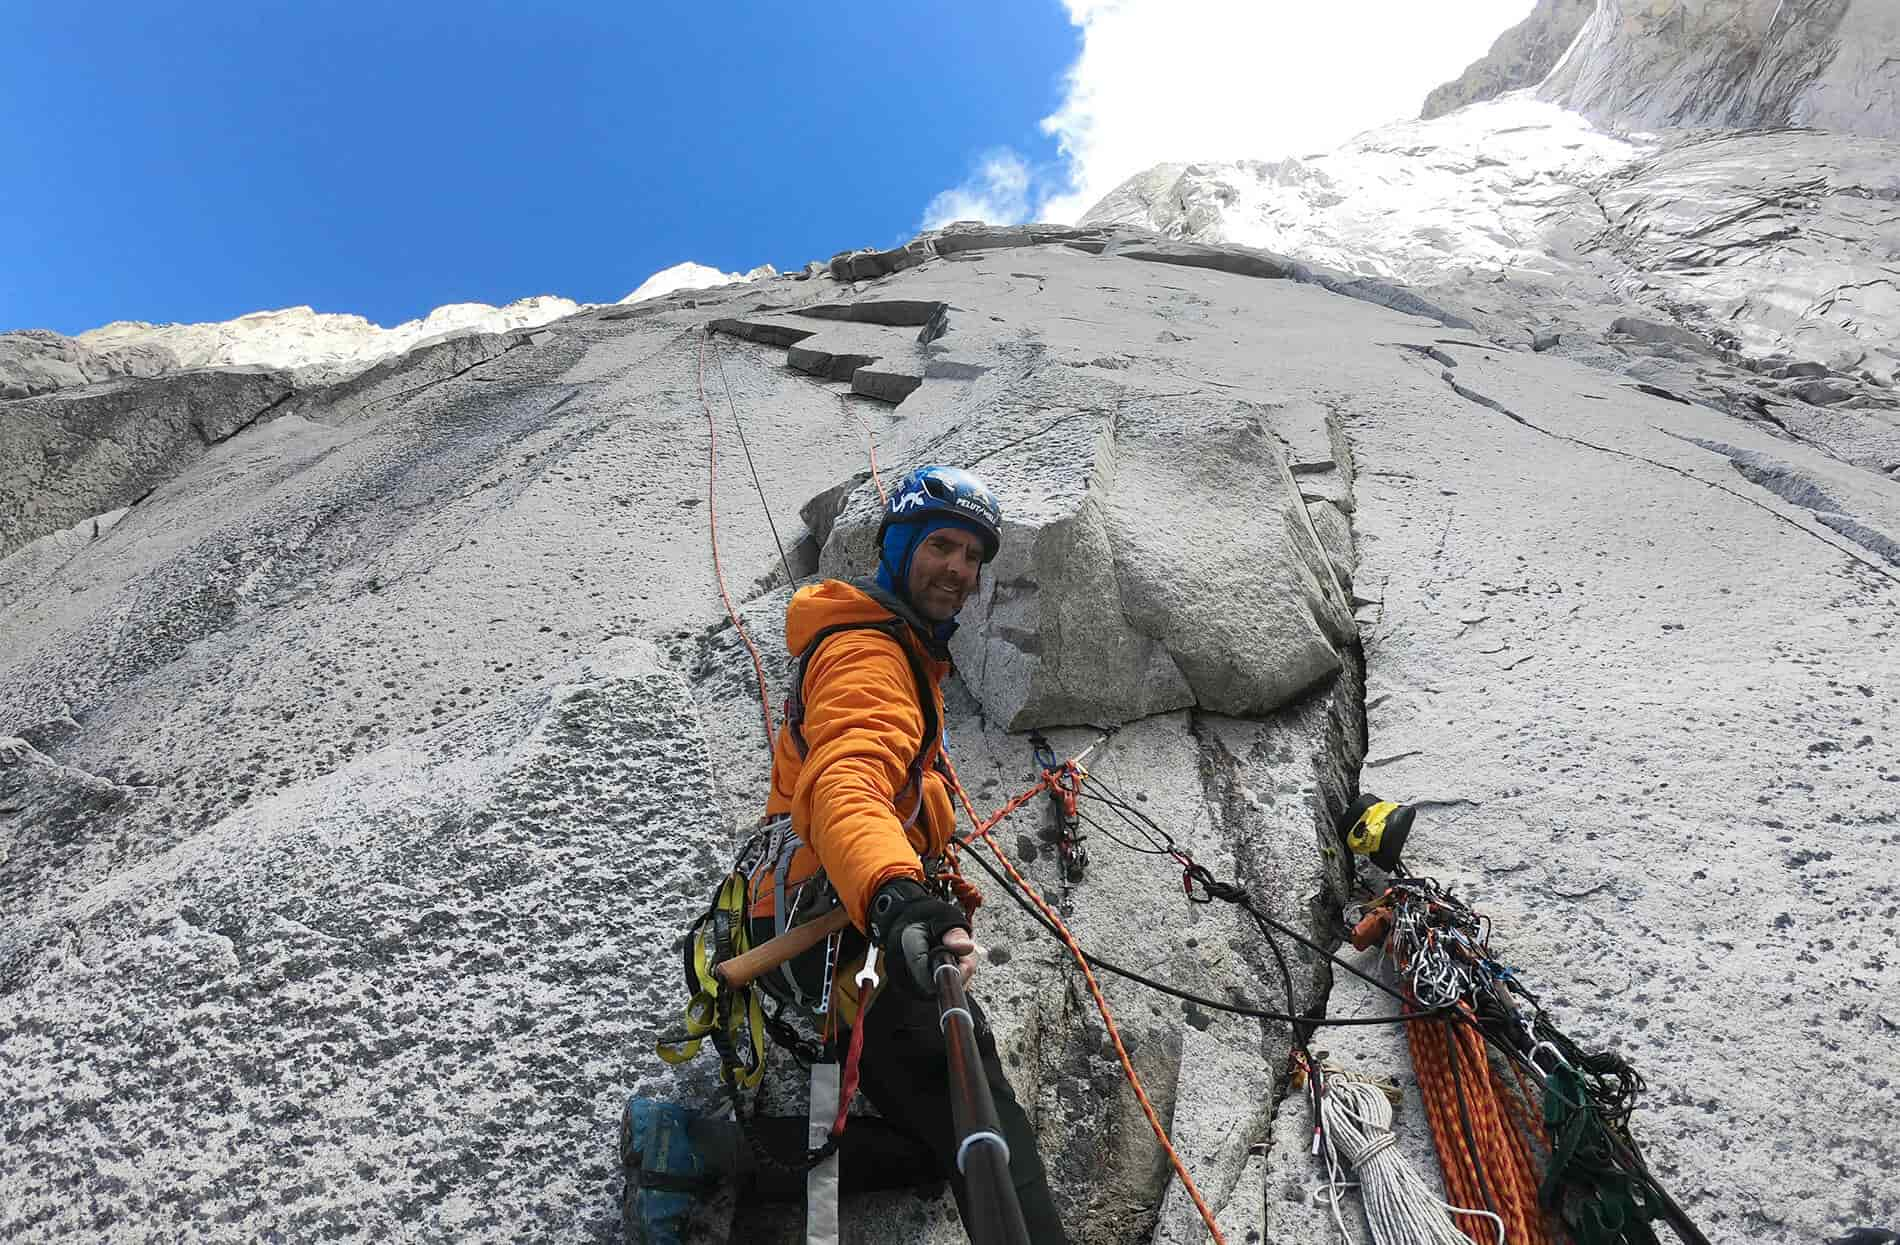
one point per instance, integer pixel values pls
(856, 769)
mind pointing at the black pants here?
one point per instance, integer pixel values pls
(904, 1071)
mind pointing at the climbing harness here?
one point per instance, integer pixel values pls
(732, 1014)
(735, 1021)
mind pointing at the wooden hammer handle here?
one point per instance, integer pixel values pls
(741, 970)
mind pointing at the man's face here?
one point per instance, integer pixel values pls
(943, 572)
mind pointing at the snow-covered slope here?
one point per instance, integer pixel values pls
(318, 345)
(1479, 190)
(314, 347)
(691, 276)
(1755, 270)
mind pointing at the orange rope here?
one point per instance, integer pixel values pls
(870, 434)
(870, 440)
(712, 521)
(982, 832)
(1510, 1175)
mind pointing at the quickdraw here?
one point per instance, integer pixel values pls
(1065, 788)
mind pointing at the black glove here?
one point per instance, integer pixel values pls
(907, 924)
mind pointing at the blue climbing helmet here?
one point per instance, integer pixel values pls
(929, 498)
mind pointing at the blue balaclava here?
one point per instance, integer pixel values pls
(900, 542)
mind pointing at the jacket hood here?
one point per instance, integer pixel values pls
(836, 601)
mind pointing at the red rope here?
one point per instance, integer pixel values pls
(1502, 1165)
(712, 522)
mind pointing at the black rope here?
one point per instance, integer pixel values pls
(1608, 1082)
(1464, 1120)
(763, 1152)
(719, 356)
(1193, 874)
(1188, 996)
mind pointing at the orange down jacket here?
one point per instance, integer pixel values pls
(850, 795)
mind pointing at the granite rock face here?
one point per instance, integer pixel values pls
(387, 1002)
(356, 779)
(1738, 64)
(83, 451)
(299, 732)
(1521, 57)
(1771, 253)
(34, 361)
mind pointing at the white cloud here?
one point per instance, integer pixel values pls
(997, 192)
(1227, 80)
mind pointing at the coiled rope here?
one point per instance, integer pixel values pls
(1401, 1209)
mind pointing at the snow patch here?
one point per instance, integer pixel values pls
(318, 346)
(1477, 189)
(691, 276)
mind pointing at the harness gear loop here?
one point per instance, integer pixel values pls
(764, 873)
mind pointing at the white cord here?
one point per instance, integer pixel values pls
(1356, 1116)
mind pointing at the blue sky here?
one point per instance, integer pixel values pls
(195, 162)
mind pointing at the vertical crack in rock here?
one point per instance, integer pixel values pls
(1273, 788)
